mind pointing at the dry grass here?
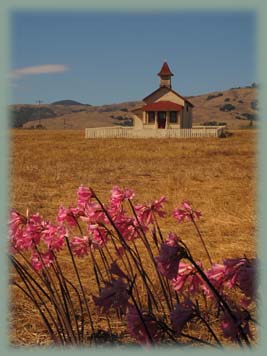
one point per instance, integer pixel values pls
(216, 175)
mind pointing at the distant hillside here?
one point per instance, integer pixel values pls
(67, 102)
(235, 107)
(21, 114)
(71, 116)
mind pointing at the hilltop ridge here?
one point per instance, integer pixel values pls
(68, 102)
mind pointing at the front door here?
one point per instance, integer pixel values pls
(161, 119)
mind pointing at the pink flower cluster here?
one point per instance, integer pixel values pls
(187, 279)
(234, 273)
(90, 227)
(39, 237)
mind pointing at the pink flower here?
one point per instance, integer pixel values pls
(230, 327)
(21, 240)
(172, 239)
(182, 313)
(241, 272)
(34, 227)
(187, 275)
(25, 233)
(128, 227)
(169, 259)
(79, 246)
(186, 212)
(67, 215)
(84, 195)
(16, 220)
(54, 237)
(145, 212)
(142, 333)
(231, 270)
(217, 277)
(99, 236)
(41, 260)
(94, 214)
(118, 195)
(114, 295)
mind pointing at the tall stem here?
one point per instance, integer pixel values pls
(201, 239)
(80, 284)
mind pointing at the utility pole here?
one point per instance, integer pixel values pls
(39, 110)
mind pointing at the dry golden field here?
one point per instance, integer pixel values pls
(217, 175)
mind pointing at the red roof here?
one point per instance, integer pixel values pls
(162, 106)
(165, 70)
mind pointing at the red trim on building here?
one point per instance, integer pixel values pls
(162, 106)
(165, 70)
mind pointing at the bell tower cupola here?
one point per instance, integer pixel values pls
(165, 76)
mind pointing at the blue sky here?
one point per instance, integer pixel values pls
(103, 58)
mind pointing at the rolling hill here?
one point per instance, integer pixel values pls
(235, 107)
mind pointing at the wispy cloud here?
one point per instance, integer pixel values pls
(46, 68)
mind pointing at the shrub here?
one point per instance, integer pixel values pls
(120, 118)
(128, 122)
(227, 107)
(227, 99)
(40, 127)
(123, 121)
(251, 117)
(210, 123)
(213, 96)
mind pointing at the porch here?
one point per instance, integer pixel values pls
(130, 132)
(164, 115)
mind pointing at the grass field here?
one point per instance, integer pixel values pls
(217, 175)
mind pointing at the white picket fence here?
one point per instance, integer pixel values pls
(130, 132)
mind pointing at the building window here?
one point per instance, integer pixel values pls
(173, 117)
(151, 117)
